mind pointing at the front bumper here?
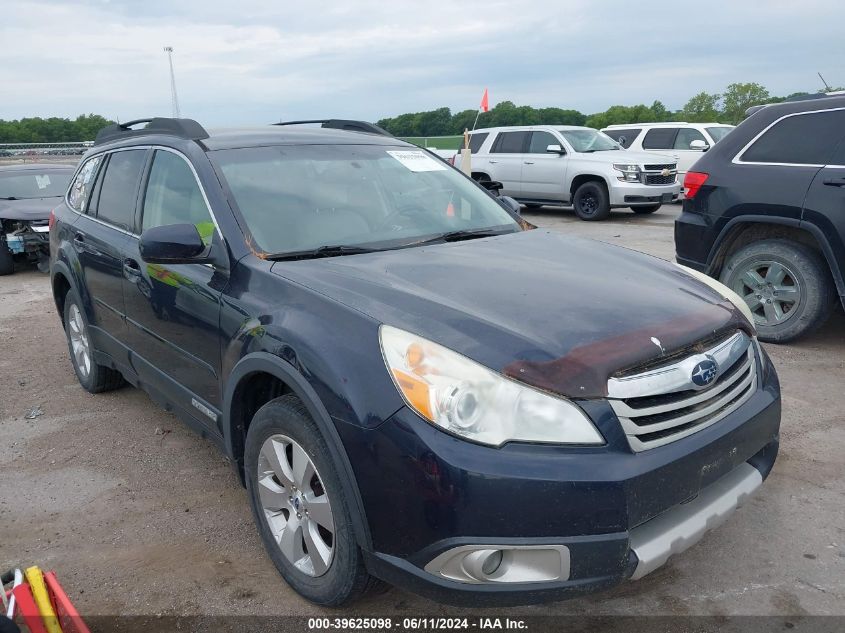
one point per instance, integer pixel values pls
(626, 195)
(619, 514)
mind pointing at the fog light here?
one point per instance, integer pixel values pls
(502, 564)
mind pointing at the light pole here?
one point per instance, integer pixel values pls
(173, 96)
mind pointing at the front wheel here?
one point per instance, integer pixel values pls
(651, 208)
(299, 505)
(591, 201)
(786, 284)
(7, 261)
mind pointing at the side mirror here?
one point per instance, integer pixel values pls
(555, 149)
(511, 204)
(172, 244)
(699, 145)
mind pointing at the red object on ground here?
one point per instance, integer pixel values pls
(485, 103)
(69, 618)
(25, 607)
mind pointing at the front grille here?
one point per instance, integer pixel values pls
(659, 179)
(662, 404)
(670, 166)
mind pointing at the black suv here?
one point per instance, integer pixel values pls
(765, 213)
(414, 384)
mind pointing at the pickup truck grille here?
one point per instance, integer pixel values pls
(664, 404)
(659, 179)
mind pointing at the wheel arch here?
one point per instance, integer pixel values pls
(580, 179)
(279, 378)
(60, 284)
(744, 230)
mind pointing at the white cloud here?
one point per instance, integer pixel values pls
(255, 61)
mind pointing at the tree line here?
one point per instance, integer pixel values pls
(728, 106)
(52, 130)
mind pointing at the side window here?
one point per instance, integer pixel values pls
(116, 204)
(660, 138)
(476, 141)
(80, 188)
(173, 196)
(510, 143)
(804, 139)
(686, 136)
(624, 137)
(540, 141)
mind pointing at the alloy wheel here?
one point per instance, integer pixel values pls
(588, 204)
(771, 290)
(295, 504)
(79, 341)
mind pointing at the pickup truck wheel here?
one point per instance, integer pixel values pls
(93, 377)
(299, 505)
(646, 209)
(7, 261)
(786, 284)
(591, 201)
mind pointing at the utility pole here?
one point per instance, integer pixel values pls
(826, 86)
(173, 96)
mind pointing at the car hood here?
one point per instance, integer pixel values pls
(557, 312)
(642, 158)
(29, 210)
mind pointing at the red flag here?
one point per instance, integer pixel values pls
(485, 104)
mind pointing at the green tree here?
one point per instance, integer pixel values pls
(702, 108)
(738, 97)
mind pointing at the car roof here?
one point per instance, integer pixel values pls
(231, 138)
(37, 167)
(526, 128)
(617, 126)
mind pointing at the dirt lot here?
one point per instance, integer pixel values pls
(141, 516)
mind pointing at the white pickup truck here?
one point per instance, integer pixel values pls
(545, 164)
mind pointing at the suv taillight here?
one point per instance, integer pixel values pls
(692, 183)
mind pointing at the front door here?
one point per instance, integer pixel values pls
(544, 173)
(172, 310)
(687, 157)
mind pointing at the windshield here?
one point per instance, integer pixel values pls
(718, 133)
(586, 141)
(22, 185)
(296, 198)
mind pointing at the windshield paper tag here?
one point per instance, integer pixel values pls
(417, 160)
(43, 181)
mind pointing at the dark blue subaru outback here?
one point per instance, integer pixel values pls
(415, 385)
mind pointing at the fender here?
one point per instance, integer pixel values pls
(815, 231)
(268, 363)
(60, 267)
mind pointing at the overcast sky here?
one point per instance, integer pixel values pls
(250, 61)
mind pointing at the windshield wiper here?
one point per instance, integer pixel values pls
(9, 198)
(323, 251)
(465, 234)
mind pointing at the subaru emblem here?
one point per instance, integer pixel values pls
(705, 372)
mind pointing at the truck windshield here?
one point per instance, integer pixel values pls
(586, 141)
(298, 198)
(718, 133)
(29, 184)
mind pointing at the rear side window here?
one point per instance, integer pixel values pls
(510, 143)
(660, 138)
(804, 139)
(174, 196)
(476, 141)
(540, 141)
(80, 189)
(624, 137)
(116, 204)
(686, 136)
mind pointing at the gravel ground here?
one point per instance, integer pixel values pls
(139, 515)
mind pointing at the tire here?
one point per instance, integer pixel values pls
(646, 209)
(283, 428)
(93, 377)
(796, 293)
(7, 260)
(591, 201)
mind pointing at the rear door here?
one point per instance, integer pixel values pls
(544, 173)
(172, 310)
(99, 239)
(505, 160)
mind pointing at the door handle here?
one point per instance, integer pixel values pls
(79, 243)
(131, 269)
(834, 182)
(529, 162)
(492, 162)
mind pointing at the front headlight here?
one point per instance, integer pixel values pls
(467, 399)
(630, 173)
(723, 290)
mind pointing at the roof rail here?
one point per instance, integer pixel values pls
(183, 128)
(343, 124)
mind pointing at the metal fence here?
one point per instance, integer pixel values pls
(25, 152)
